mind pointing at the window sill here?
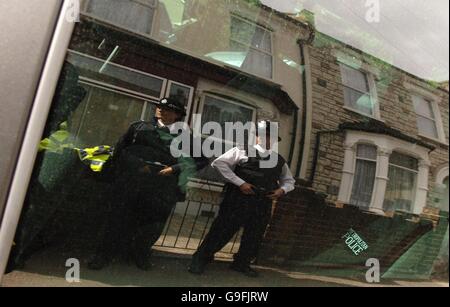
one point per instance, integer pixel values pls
(363, 114)
(434, 140)
(367, 210)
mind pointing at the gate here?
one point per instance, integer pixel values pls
(190, 221)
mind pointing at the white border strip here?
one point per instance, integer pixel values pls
(34, 130)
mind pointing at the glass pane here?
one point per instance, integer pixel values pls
(150, 112)
(176, 11)
(404, 161)
(135, 15)
(237, 54)
(242, 31)
(427, 127)
(249, 47)
(354, 78)
(250, 34)
(258, 63)
(401, 190)
(180, 93)
(261, 40)
(423, 107)
(445, 201)
(220, 111)
(367, 152)
(104, 72)
(363, 183)
(358, 101)
(104, 117)
(250, 60)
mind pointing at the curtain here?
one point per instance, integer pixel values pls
(259, 62)
(401, 189)
(364, 178)
(258, 57)
(130, 14)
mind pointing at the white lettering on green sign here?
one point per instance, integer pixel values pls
(355, 242)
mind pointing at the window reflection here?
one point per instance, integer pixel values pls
(135, 15)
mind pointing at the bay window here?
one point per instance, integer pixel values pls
(387, 175)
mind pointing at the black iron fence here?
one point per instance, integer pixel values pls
(190, 221)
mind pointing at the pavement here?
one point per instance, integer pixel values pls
(47, 269)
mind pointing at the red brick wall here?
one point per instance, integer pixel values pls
(307, 231)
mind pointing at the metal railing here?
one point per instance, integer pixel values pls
(190, 221)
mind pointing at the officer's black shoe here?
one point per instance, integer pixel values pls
(197, 266)
(97, 263)
(244, 269)
(144, 263)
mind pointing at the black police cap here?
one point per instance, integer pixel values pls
(172, 104)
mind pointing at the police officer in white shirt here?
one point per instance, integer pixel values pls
(249, 193)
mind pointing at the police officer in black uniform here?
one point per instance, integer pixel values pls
(249, 193)
(148, 181)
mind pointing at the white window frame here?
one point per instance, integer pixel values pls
(118, 90)
(165, 87)
(370, 78)
(416, 90)
(144, 96)
(227, 100)
(386, 145)
(433, 119)
(249, 45)
(84, 6)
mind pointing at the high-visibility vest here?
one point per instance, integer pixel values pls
(95, 157)
(57, 141)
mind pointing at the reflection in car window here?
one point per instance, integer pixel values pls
(124, 174)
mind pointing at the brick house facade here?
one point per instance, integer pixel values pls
(308, 225)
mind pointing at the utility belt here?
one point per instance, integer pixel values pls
(138, 159)
(234, 194)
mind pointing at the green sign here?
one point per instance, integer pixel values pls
(356, 244)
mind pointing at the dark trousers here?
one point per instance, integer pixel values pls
(235, 212)
(139, 206)
(41, 202)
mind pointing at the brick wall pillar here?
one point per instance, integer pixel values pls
(287, 221)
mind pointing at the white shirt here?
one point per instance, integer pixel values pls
(227, 162)
(161, 124)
